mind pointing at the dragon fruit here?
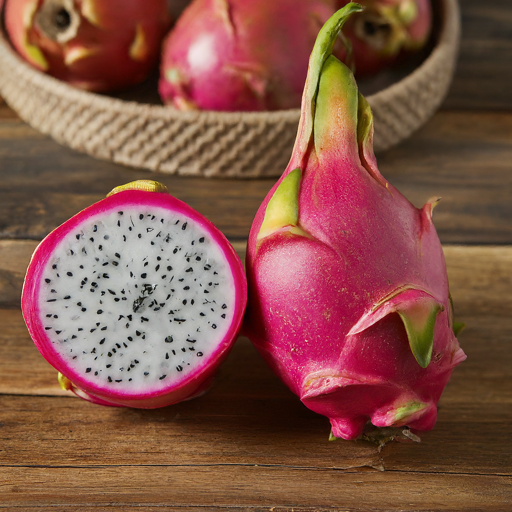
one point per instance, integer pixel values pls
(236, 54)
(348, 291)
(97, 45)
(136, 300)
(386, 31)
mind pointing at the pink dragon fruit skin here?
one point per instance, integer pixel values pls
(234, 55)
(145, 196)
(348, 291)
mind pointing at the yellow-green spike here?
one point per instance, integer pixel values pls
(283, 209)
(419, 319)
(144, 185)
(64, 382)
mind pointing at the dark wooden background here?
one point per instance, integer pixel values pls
(249, 444)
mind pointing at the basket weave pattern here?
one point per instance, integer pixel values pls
(211, 144)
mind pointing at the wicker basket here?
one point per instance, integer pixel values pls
(213, 144)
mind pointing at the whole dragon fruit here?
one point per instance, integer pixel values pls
(136, 300)
(348, 292)
(386, 31)
(243, 55)
(97, 45)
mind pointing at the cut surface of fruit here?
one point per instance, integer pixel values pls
(134, 296)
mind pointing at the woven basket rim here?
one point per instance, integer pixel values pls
(448, 37)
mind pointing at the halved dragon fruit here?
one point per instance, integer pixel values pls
(136, 300)
(348, 292)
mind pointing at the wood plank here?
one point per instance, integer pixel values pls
(250, 487)
(485, 63)
(464, 157)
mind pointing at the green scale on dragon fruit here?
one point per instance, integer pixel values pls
(348, 292)
(135, 297)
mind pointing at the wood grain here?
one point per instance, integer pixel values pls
(485, 61)
(251, 487)
(464, 157)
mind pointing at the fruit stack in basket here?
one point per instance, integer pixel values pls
(223, 55)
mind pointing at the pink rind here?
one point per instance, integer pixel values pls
(196, 382)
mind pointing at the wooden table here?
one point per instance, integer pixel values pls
(249, 444)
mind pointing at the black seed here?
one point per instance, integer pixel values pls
(93, 329)
(190, 269)
(95, 228)
(108, 366)
(120, 380)
(139, 235)
(105, 264)
(138, 333)
(143, 319)
(95, 373)
(48, 280)
(175, 251)
(169, 339)
(199, 354)
(67, 297)
(143, 276)
(58, 332)
(214, 326)
(163, 377)
(223, 316)
(157, 268)
(186, 288)
(192, 302)
(130, 317)
(82, 267)
(130, 338)
(224, 306)
(191, 341)
(201, 240)
(179, 368)
(117, 255)
(183, 349)
(111, 292)
(106, 276)
(117, 299)
(184, 226)
(135, 360)
(202, 314)
(100, 247)
(49, 316)
(88, 370)
(185, 302)
(117, 345)
(141, 216)
(206, 291)
(80, 329)
(54, 266)
(174, 352)
(110, 379)
(115, 263)
(124, 238)
(106, 237)
(104, 328)
(99, 312)
(47, 328)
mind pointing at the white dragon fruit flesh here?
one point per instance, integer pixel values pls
(135, 300)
